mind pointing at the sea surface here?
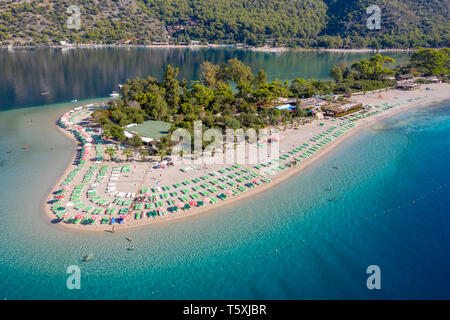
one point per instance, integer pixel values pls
(30, 77)
(291, 242)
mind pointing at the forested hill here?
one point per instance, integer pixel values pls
(404, 23)
(305, 23)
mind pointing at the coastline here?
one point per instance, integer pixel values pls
(265, 49)
(275, 180)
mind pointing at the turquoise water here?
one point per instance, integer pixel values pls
(291, 242)
(323, 247)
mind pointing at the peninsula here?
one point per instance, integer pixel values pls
(129, 171)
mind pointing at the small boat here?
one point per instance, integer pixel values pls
(87, 258)
(74, 100)
(114, 94)
(44, 93)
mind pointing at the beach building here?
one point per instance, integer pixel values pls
(339, 110)
(312, 103)
(434, 80)
(408, 86)
(404, 77)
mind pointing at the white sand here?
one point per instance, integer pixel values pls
(143, 175)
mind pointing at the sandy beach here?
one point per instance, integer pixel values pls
(145, 175)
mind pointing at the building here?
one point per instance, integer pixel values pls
(434, 80)
(312, 103)
(340, 110)
(408, 86)
(404, 77)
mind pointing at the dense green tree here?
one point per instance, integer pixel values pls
(431, 62)
(171, 86)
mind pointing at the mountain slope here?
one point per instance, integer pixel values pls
(250, 21)
(44, 22)
(306, 23)
(403, 22)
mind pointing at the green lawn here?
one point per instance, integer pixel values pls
(151, 129)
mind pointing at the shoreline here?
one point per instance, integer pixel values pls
(264, 49)
(291, 172)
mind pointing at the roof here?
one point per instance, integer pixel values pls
(312, 102)
(405, 76)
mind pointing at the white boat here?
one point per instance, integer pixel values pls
(114, 94)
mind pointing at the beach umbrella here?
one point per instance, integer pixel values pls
(66, 215)
(229, 193)
(206, 200)
(60, 196)
(192, 203)
(180, 204)
(79, 216)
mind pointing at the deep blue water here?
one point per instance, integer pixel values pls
(292, 242)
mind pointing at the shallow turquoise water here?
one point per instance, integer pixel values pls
(323, 247)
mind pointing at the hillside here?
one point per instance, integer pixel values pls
(404, 23)
(305, 23)
(43, 22)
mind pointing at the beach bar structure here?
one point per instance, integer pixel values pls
(311, 103)
(404, 77)
(408, 86)
(339, 110)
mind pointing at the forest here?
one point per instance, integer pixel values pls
(291, 23)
